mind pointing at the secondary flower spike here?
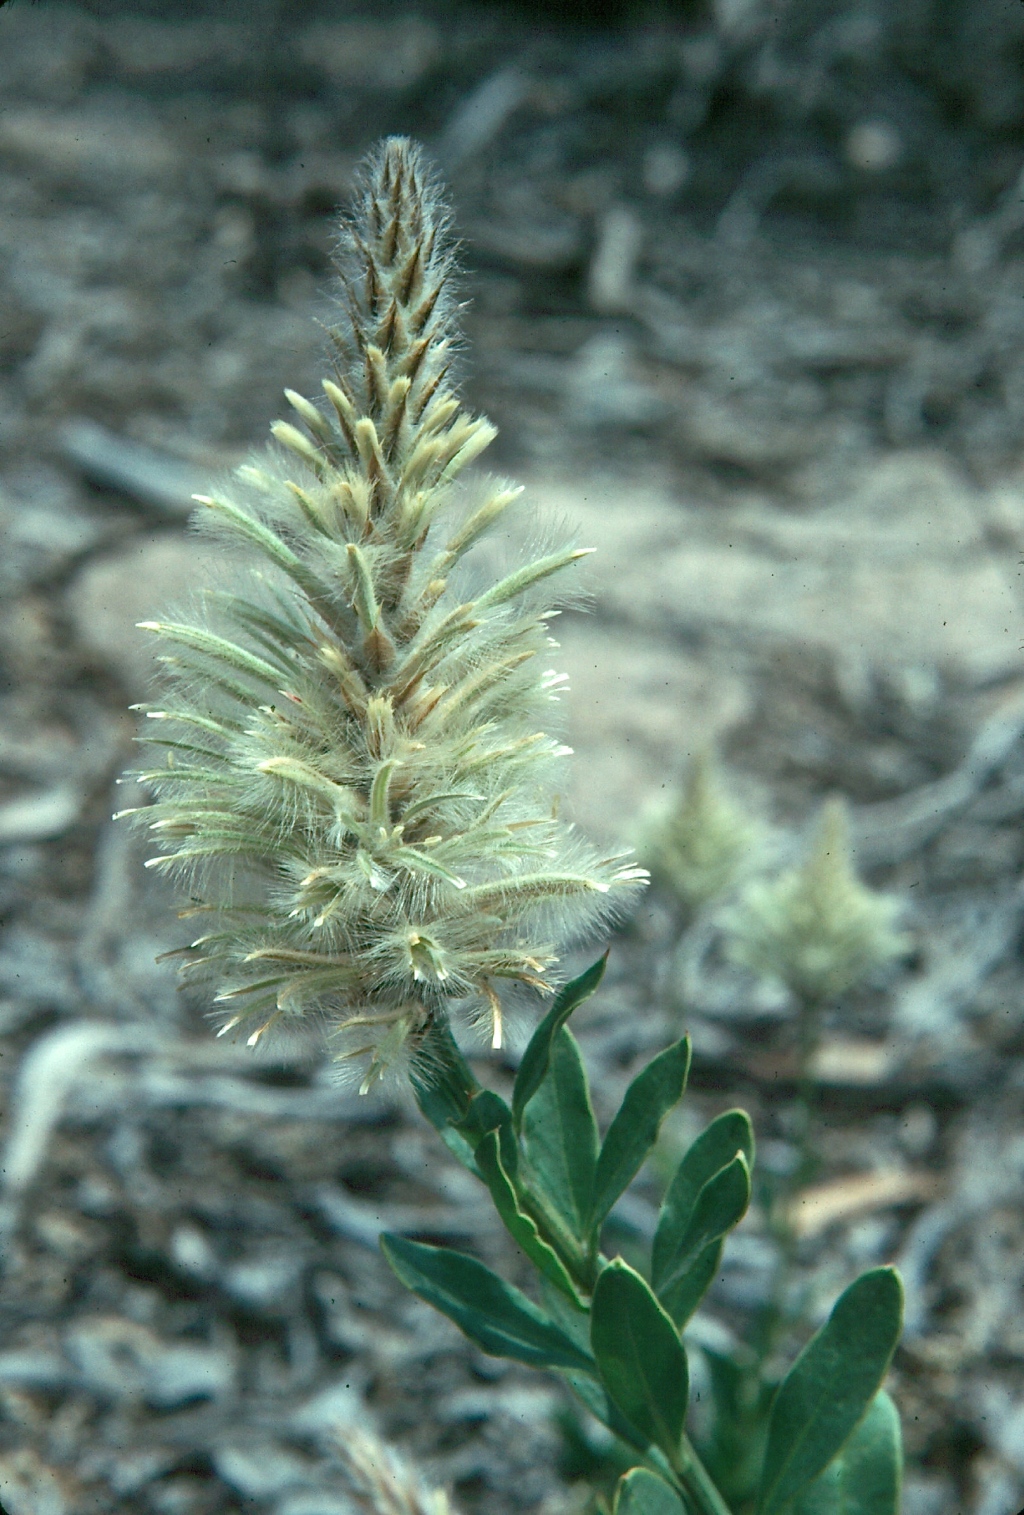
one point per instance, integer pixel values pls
(357, 790)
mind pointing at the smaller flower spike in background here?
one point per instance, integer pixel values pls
(700, 843)
(357, 789)
(817, 927)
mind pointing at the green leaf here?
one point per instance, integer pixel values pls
(456, 1106)
(593, 1394)
(641, 1492)
(683, 1278)
(740, 1401)
(685, 1297)
(520, 1226)
(686, 1245)
(444, 1085)
(492, 1313)
(716, 1146)
(830, 1386)
(534, 1064)
(865, 1478)
(634, 1130)
(639, 1356)
(560, 1135)
(488, 1112)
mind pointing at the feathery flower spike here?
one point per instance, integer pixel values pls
(699, 845)
(816, 927)
(357, 784)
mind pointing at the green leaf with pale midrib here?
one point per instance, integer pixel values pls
(865, 1478)
(713, 1149)
(559, 1135)
(655, 1091)
(534, 1063)
(829, 1387)
(639, 1356)
(721, 1204)
(521, 1226)
(494, 1314)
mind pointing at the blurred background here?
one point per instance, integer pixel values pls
(745, 296)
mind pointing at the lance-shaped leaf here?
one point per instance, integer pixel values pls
(534, 1062)
(560, 1136)
(641, 1492)
(865, 1478)
(493, 1314)
(685, 1275)
(520, 1226)
(830, 1386)
(714, 1148)
(734, 1451)
(639, 1356)
(656, 1090)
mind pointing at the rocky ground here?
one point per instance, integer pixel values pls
(746, 301)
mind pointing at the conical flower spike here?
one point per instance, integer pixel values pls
(358, 780)
(700, 846)
(817, 927)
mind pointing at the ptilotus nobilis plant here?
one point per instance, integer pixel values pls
(358, 782)
(357, 792)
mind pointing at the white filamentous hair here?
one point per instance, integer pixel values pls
(359, 770)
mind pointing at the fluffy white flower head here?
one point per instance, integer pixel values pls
(358, 776)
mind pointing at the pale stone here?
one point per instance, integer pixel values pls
(903, 571)
(151, 576)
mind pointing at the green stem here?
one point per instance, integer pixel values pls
(809, 1035)
(446, 1082)
(776, 1316)
(697, 1482)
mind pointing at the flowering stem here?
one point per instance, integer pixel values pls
(443, 1074)
(809, 1014)
(780, 1205)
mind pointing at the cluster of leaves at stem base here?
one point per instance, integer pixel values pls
(615, 1333)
